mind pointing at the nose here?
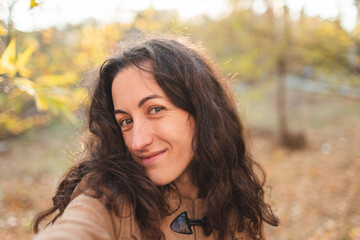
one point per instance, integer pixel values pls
(141, 135)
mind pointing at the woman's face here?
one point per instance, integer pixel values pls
(157, 133)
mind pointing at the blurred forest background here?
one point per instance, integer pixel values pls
(296, 81)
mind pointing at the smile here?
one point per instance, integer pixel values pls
(151, 158)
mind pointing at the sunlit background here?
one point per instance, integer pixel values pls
(61, 12)
(292, 65)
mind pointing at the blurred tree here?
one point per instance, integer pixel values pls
(24, 102)
(252, 48)
(150, 20)
(8, 6)
(258, 48)
(354, 53)
(282, 40)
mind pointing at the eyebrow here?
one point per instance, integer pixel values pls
(142, 102)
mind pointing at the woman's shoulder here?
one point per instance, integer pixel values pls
(88, 217)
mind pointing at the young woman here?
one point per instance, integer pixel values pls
(166, 155)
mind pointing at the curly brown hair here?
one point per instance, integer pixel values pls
(221, 168)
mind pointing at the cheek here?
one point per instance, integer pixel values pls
(127, 140)
(184, 142)
(189, 132)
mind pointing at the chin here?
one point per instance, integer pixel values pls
(159, 180)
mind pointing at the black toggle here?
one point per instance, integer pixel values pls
(182, 224)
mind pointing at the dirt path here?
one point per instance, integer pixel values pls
(316, 191)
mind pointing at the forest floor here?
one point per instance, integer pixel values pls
(314, 191)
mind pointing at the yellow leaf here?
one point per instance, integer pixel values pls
(9, 53)
(7, 61)
(41, 103)
(33, 4)
(24, 72)
(56, 80)
(24, 57)
(25, 85)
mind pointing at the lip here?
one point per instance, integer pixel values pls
(150, 158)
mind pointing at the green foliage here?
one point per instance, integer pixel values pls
(29, 99)
(255, 42)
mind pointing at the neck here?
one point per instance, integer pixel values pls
(186, 187)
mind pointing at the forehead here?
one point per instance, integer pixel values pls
(132, 84)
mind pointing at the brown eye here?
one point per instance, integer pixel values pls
(156, 110)
(125, 122)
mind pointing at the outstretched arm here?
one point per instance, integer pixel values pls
(84, 218)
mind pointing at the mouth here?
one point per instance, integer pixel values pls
(148, 159)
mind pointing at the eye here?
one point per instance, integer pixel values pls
(125, 122)
(156, 110)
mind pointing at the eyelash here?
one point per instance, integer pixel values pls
(123, 121)
(156, 109)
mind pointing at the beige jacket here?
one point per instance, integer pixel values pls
(87, 218)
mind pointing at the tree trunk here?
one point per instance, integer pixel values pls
(10, 22)
(281, 99)
(282, 41)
